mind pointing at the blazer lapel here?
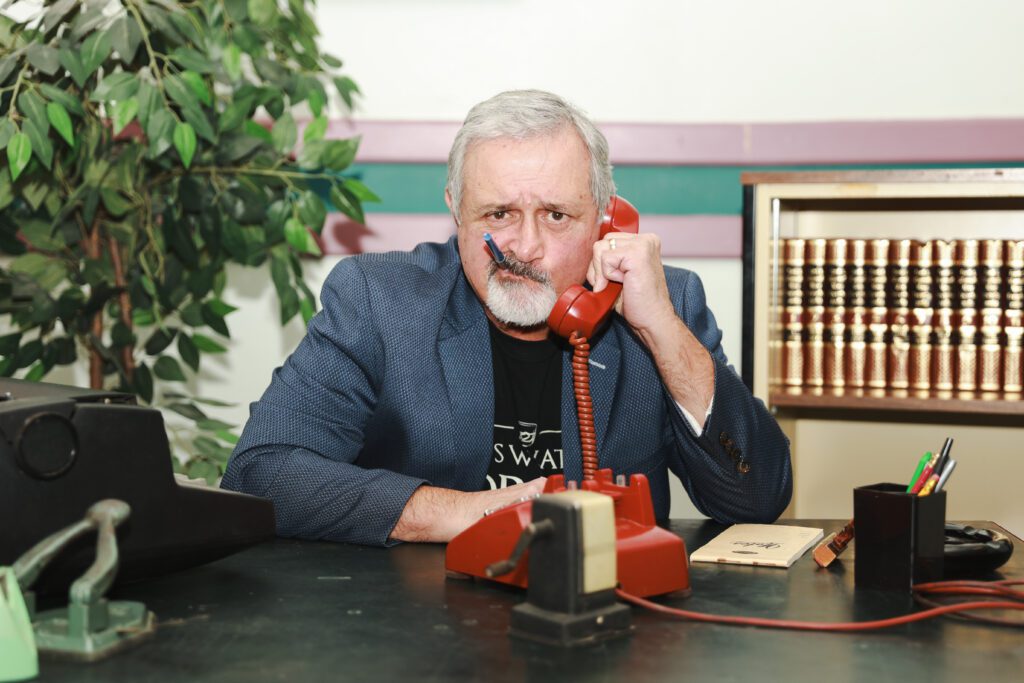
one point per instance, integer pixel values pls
(464, 347)
(605, 358)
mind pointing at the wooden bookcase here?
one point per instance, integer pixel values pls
(844, 438)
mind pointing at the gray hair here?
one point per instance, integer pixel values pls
(525, 114)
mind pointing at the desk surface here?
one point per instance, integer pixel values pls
(302, 611)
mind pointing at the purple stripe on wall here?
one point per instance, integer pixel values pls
(681, 236)
(915, 141)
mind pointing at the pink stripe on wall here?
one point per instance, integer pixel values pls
(681, 236)
(839, 142)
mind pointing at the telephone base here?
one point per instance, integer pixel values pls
(650, 560)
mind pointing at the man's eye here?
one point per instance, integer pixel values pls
(499, 215)
(557, 216)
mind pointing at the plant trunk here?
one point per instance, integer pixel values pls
(95, 358)
(124, 299)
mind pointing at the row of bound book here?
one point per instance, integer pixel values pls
(945, 315)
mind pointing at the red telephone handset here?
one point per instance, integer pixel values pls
(580, 310)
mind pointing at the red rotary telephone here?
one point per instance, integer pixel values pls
(650, 560)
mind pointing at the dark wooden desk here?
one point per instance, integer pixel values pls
(301, 611)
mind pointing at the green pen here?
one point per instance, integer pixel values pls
(920, 468)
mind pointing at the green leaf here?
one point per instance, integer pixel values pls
(198, 86)
(188, 352)
(296, 234)
(188, 410)
(37, 372)
(48, 272)
(160, 340)
(159, 130)
(121, 335)
(181, 92)
(312, 211)
(9, 344)
(214, 425)
(61, 122)
(347, 89)
(114, 202)
(214, 321)
(257, 131)
(225, 435)
(125, 37)
(262, 11)
(7, 131)
(284, 133)
(43, 57)
(149, 101)
(232, 59)
(348, 204)
(168, 369)
(124, 112)
(62, 97)
(307, 307)
(41, 146)
(19, 152)
(34, 107)
(207, 345)
(362, 192)
(193, 60)
(70, 60)
(142, 380)
(95, 49)
(221, 308)
(339, 154)
(116, 86)
(185, 142)
(316, 101)
(316, 129)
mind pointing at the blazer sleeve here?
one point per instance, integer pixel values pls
(303, 436)
(738, 469)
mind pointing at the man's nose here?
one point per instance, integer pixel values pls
(527, 243)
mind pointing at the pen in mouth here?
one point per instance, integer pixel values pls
(495, 252)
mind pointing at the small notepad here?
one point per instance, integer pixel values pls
(771, 545)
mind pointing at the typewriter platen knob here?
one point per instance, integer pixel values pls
(46, 445)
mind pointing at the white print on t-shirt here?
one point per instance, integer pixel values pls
(526, 454)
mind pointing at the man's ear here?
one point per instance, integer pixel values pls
(448, 202)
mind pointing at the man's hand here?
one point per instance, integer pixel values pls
(437, 515)
(683, 362)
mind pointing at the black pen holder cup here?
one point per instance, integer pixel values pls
(900, 537)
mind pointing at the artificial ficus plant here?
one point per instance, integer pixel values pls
(144, 146)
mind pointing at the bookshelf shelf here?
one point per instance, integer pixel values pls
(920, 276)
(886, 400)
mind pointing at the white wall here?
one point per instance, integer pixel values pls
(686, 60)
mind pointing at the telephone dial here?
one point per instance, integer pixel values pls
(649, 560)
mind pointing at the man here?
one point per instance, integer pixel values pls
(429, 385)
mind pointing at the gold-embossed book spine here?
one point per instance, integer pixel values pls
(1013, 357)
(943, 350)
(991, 357)
(793, 312)
(899, 314)
(967, 316)
(857, 325)
(814, 316)
(922, 316)
(878, 316)
(835, 313)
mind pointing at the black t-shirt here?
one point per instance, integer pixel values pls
(527, 410)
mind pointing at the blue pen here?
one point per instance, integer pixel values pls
(495, 252)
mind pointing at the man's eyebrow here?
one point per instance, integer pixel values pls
(562, 208)
(495, 206)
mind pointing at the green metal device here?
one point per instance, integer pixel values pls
(19, 660)
(90, 627)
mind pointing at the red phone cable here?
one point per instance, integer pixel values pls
(997, 588)
(584, 406)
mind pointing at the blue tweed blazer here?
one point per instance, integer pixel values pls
(392, 388)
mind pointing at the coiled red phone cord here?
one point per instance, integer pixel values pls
(584, 406)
